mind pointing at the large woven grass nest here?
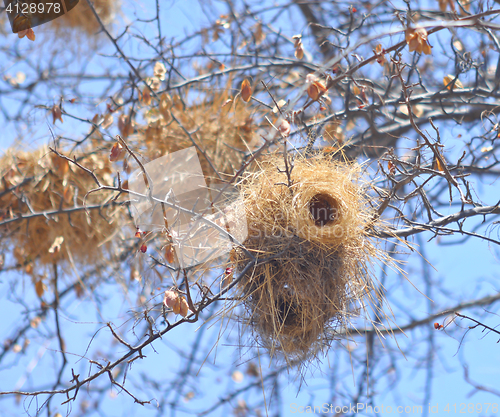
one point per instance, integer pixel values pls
(309, 236)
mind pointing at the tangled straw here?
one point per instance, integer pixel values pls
(40, 182)
(308, 229)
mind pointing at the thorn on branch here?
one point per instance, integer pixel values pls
(118, 337)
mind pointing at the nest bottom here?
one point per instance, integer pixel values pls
(298, 293)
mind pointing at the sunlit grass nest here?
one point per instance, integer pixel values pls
(82, 18)
(222, 134)
(314, 255)
(41, 182)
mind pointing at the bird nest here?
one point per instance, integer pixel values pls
(81, 17)
(222, 134)
(38, 184)
(307, 232)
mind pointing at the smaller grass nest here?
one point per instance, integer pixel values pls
(222, 136)
(82, 18)
(309, 236)
(39, 181)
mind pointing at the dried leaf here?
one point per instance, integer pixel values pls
(416, 38)
(316, 89)
(20, 24)
(333, 132)
(159, 71)
(253, 370)
(259, 35)
(246, 90)
(458, 45)
(117, 152)
(330, 149)
(243, 44)
(125, 126)
(189, 396)
(35, 322)
(128, 169)
(184, 307)
(448, 82)
(443, 4)
(392, 167)
(79, 289)
(380, 52)
(403, 109)
(56, 114)
(165, 106)
(216, 33)
(310, 78)
(437, 165)
(170, 299)
(313, 92)
(237, 377)
(178, 103)
(154, 83)
(145, 96)
(284, 128)
(40, 288)
(465, 4)
(280, 105)
(30, 35)
(170, 254)
(108, 121)
(321, 87)
(176, 308)
(418, 110)
(60, 165)
(297, 40)
(299, 52)
(233, 256)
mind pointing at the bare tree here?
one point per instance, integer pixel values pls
(405, 92)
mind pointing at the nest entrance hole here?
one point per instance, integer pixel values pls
(324, 209)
